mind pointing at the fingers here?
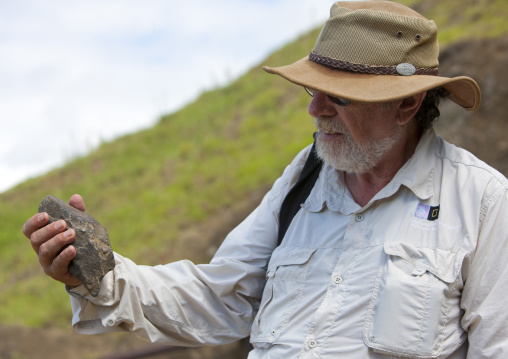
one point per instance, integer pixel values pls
(44, 234)
(76, 201)
(35, 223)
(59, 269)
(49, 249)
(62, 261)
(55, 255)
(52, 242)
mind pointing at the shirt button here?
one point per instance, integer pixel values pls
(111, 322)
(359, 217)
(312, 343)
(337, 279)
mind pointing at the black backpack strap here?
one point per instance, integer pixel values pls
(299, 192)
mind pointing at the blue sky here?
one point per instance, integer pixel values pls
(75, 73)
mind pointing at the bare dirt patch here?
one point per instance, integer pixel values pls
(29, 343)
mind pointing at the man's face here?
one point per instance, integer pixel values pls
(354, 138)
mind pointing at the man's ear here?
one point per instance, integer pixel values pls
(409, 107)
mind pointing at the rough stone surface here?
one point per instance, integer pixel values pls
(94, 255)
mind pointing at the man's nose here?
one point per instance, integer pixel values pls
(321, 106)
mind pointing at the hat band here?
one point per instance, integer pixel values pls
(376, 70)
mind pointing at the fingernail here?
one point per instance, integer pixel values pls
(68, 233)
(59, 225)
(68, 250)
(41, 217)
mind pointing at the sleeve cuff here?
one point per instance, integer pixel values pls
(80, 290)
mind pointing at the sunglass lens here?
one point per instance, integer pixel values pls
(335, 100)
(339, 101)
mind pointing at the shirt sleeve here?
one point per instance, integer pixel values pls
(185, 304)
(486, 288)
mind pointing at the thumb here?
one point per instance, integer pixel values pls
(76, 201)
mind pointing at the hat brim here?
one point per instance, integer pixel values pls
(375, 88)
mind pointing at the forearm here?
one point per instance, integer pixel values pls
(174, 303)
(186, 304)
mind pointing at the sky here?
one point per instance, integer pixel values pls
(74, 74)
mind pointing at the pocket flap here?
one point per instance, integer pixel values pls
(288, 255)
(442, 263)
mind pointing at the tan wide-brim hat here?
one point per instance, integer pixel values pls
(377, 51)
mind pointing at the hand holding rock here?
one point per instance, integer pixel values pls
(94, 255)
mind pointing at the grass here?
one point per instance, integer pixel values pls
(465, 20)
(147, 187)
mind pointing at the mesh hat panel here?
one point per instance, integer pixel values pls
(377, 38)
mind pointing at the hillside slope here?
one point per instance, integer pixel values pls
(483, 132)
(174, 191)
(149, 189)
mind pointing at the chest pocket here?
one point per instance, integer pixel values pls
(286, 279)
(415, 303)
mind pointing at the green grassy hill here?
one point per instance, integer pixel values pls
(149, 189)
(464, 20)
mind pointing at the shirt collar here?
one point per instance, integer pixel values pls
(417, 174)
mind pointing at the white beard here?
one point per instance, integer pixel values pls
(344, 154)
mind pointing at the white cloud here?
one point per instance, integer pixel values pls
(73, 73)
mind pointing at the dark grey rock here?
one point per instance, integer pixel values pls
(94, 255)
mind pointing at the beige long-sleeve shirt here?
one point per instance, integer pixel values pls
(420, 272)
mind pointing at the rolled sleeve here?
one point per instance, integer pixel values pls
(185, 304)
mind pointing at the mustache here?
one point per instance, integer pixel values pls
(328, 124)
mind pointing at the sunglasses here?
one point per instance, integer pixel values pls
(335, 100)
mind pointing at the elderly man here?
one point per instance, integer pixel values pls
(396, 247)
